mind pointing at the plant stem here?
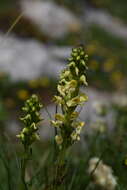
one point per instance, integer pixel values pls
(54, 142)
(23, 168)
(60, 170)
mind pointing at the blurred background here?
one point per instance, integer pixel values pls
(36, 37)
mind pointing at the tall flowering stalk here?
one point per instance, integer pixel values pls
(69, 97)
(29, 134)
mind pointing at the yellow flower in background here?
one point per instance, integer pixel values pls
(33, 83)
(44, 82)
(91, 49)
(94, 64)
(23, 94)
(116, 76)
(109, 65)
(40, 82)
(125, 161)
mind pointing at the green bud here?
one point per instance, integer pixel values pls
(78, 58)
(83, 80)
(25, 130)
(29, 133)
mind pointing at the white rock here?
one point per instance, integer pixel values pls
(60, 52)
(105, 20)
(54, 20)
(21, 59)
(27, 59)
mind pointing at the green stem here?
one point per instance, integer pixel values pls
(55, 146)
(60, 170)
(23, 169)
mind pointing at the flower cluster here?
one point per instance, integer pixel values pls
(29, 133)
(69, 97)
(102, 175)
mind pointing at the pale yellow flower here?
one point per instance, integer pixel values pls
(23, 94)
(59, 139)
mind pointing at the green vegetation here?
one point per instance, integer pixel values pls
(116, 8)
(95, 159)
(59, 163)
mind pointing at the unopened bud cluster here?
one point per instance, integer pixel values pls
(69, 97)
(29, 133)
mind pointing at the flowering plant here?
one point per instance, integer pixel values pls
(69, 98)
(29, 134)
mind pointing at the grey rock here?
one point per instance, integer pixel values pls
(106, 21)
(52, 19)
(28, 59)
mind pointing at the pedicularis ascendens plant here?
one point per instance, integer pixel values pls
(69, 97)
(29, 134)
(66, 123)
